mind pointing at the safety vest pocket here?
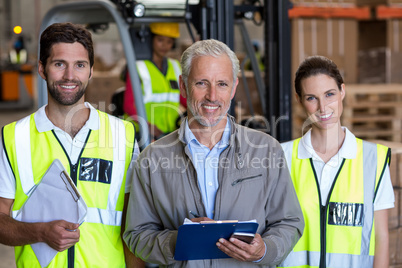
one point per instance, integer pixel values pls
(96, 170)
(174, 84)
(346, 214)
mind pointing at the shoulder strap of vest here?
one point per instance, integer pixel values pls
(5, 149)
(383, 159)
(22, 142)
(176, 68)
(122, 128)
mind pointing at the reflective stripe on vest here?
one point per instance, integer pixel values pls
(100, 243)
(94, 215)
(349, 211)
(17, 58)
(294, 259)
(149, 95)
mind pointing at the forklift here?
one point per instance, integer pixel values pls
(214, 19)
(16, 79)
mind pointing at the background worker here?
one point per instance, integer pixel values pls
(342, 182)
(71, 130)
(159, 80)
(18, 53)
(214, 168)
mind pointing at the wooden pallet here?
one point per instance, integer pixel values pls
(374, 111)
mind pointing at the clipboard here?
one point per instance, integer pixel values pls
(198, 241)
(55, 197)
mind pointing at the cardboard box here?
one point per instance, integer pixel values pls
(380, 51)
(326, 3)
(372, 34)
(346, 3)
(332, 38)
(371, 2)
(372, 65)
(379, 65)
(394, 51)
(395, 2)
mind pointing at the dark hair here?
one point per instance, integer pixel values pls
(65, 33)
(315, 65)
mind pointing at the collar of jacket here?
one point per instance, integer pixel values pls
(233, 140)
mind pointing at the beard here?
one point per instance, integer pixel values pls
(203, 120)
(64, 99)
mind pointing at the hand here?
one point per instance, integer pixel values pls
(60, 235)
(242, 251)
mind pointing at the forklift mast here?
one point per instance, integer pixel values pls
(214, 19)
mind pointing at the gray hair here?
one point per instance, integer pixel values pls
(208, 47)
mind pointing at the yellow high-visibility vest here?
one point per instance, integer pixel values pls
(341, 233)
(161, 94)
(99, 174)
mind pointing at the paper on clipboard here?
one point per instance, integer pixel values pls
(55, 197)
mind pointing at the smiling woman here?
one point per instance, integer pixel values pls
(322, 100)
(335, 172)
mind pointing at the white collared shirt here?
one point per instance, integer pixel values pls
(72, 147)
(326, 172)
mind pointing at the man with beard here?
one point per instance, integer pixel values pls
(215, 169)
(96, 149)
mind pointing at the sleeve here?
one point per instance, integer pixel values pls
(7, 179)
(385, 196)
(129, 101)
(285, 222)
(130, 169)
(146, 236)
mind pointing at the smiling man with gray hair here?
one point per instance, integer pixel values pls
(215, 168)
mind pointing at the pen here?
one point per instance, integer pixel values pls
(194, 214)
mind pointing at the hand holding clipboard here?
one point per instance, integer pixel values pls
(198, 240)
(54, 198)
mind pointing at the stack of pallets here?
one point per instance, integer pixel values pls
(374, 111)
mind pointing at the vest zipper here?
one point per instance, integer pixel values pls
(71, 250)
(74, 177)
(323, 214)
(323, 255)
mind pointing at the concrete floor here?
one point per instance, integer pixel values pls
(7, 116)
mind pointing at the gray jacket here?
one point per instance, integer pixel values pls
(254, 183)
